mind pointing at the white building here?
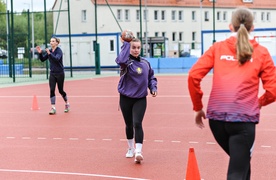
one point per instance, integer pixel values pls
(181, 22)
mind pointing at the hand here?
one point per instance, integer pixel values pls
(122, 39)
(48, 51)
(198, 118)
(38, 49)
(153, 93)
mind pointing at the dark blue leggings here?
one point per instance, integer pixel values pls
(133, 110)
(237, 140)
(56, 79)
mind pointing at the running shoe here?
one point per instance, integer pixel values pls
(130, 153)
(53, 111)
(67, 108)
(138, 157)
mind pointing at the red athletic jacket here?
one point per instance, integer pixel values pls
(234, 94)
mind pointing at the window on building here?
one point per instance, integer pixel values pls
(173, 15)
(156, 34)
(94, 45)
(255, 16)
(138, 15)
(263, 16)
(218, 16)
(174, 36)
(146, 15)
(180, 15)
(193, 15)
(83, 16)
(193, 36)
(138, 34)
(206, 16)
(119, 14)
(127, 18)
(163, 34)
(268, 16)
(163, 15)
(155, 15)
(180, 36)
(224, 16)
(111, 45)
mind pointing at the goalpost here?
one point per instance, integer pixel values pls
(269, 42)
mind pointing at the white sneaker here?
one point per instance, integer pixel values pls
(130, 153)
(138, 157)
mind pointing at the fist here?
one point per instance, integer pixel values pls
(127, 35)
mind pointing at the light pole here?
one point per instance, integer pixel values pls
(146, 26)
(32, 6)
(214, 26)
(32, 9)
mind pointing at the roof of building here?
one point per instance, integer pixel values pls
(256, 4)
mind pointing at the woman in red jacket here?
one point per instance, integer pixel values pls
(233, 110)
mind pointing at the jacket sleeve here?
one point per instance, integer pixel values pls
(199, 70)
(43, 56)
(152, 81)
(56, 56)
(123, 55)
(268, 77)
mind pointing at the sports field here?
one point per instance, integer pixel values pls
(89, 141)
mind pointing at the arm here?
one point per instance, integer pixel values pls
(204, 64)
(268, 77)
(152, 82)
(123, 55)
(42, 57)
(55, 56)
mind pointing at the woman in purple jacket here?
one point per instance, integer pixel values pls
(136, 77)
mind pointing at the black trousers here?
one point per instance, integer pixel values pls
(133, 110)
(237, 140)
(57, 79)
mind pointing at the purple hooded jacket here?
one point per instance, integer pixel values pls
(136, 74)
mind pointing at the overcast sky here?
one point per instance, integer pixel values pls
(38, 5)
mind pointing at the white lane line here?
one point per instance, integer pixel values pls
(10, 137)
(264, 146)
(69, 173)
(193, 142)
(211, 143)
(90, 139)
(158, 141)
(26, 138)
(123, 140)
(176, 141)
(73, 139)
(107, 139)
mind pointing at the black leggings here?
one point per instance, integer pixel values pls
(59, 80)
(133, 110)
(237, 140)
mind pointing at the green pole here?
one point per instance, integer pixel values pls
(9, 44)
(140, 7)
(46, 38)
(70, 43)
(12, 41)
(214, 19)
(97, 46)
(29, 45)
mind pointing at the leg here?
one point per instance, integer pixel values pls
(52, 85)
(242, 137)
(126, 105)
(139, 110)
(60, 84)
(220, 134)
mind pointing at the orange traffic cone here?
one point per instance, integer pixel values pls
(192, 172)
(35, 104)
